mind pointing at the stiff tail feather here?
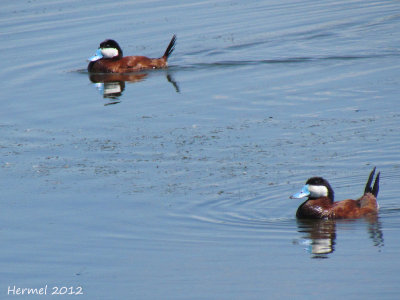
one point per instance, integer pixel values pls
(170, 48)
(375, 188)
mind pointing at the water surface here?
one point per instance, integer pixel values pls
(175, 184)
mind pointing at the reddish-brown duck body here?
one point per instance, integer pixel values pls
(320, 203)
(109, 59)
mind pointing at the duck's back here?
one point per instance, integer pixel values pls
(353, 209)
(347, 209)
(126, 64)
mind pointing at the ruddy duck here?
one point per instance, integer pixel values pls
(109, 59)
(320, 203)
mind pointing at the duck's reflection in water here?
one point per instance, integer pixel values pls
(319, 236)
(375, 232)
(112, 86)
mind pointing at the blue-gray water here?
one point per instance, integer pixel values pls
(179, 188)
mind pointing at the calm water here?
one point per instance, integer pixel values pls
(175, 184)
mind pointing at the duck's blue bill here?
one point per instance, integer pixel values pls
(302, 194)
(96, 56)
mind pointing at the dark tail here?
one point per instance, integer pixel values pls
(170, 48)
(375, 189)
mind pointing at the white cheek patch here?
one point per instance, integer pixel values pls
(317, 191)
(109, 52)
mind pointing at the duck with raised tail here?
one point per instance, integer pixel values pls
(109, 59)
(320, 201)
